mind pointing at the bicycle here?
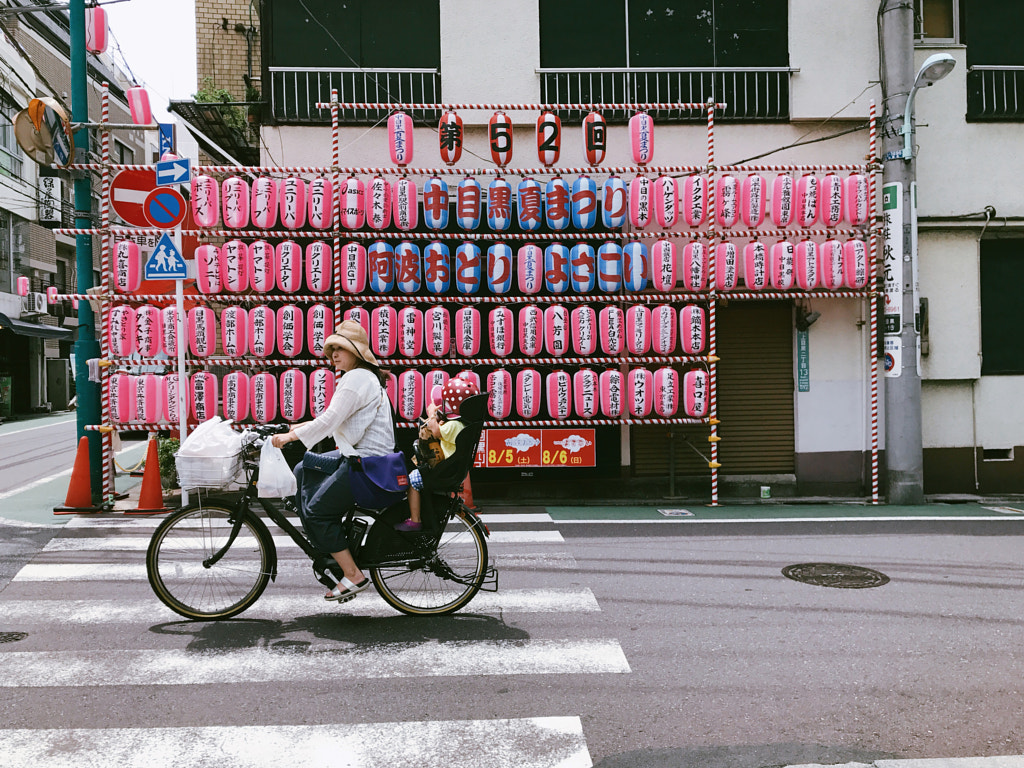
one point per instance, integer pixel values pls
(213, 559)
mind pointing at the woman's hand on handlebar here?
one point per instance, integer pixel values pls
(279, 441)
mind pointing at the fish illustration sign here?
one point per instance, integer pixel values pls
(540, 448)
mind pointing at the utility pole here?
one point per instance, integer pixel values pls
(86, 345)
(903, 444)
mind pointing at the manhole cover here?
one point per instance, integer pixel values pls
(12, 637)
(834, 575)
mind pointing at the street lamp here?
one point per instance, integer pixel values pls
(935, 67)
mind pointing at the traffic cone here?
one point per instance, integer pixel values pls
(466, 493)
(151, 495)
(79, 498)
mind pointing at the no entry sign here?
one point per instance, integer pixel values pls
(165, 207)
(128, 193)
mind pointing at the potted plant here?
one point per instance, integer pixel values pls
(166, 447)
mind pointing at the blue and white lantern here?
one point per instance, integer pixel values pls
(380, 258)
(556, 268)
(583, 268)
(499, 205)
(499, 268)
(435, 203)
(437, 268)
(408, 269)
(616, 202)
(530, 205)
(609, 268)
(635, 266)
(468, 203)
(468, 268)
(557, 204)
(584, 203)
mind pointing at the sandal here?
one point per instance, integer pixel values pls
(408, 525)
(346, 590)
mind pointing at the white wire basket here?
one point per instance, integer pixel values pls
(207, 471)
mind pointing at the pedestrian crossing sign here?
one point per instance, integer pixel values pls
(166, 262)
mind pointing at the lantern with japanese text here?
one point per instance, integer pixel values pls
(468, 268)
(383, 331)
(319, 267)
(410, 332)
(635, 266)
(558, 393)
(359, 315)
(830, 193)
(288, 258)
(531, 269)
(202, 331)
(855, 195)
(557, 204)
(205, 200)
(410, 394)
(725, 266)
(378, 203)
(755, 265)
(291, 198)
(499, 137)
(435, 203)
(437, 268)
(353, 268)
(234, 331)
(695, 266)
(549, 138)
(695, 393)
(530, 204)
(782, 200)
(433, 383)
(752, 200)
(583, 268)
(234, 266)
(235, 396)
(692, 327)
(122, 397)
(612, 389)
(531, 330)
(262, 324)
(663, 329)
(262, 266)
(805, 265)
(353, 203)
(169, 330)
(806, 200)
(832, 272)
(408, 269)
(263, 397)
(400, 138)
(694, 197)
(528, 393)
(615, 203)
(665, 201)
(437, 331)
(204, 386)
(128, 267)
(499, 205)
(234, 200)
(666, 392)
(663, 265)
(595, 137)
(640, 190)
(320, 203)
(584, 202)
(290, 320)
(148, 331)
(855, 264)
(500, 331)
(468, 203)
(638, 329)
(499, 387)
(321, 390)
(556, 330)
(781, 263)
(172, 391)
(449, 137)
(727, 202)
(641, 138)
(467, 331)
(207, 259)
(609, 267)
(391, 387)
(640, 392)
(583, 325)
(556, 268)
(293, 395)
(499, 268)
(586, 393)
(263, 207)
(405, 204)
(148, 402)
(611, 328)
(381, 266)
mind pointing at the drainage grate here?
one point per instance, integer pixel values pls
(12, 637)
(834, 575)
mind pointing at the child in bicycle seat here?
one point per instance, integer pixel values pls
(444, 422)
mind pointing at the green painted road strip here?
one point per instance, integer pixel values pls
(777, 513)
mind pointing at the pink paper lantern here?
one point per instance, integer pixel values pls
(391, 387)
(262, 325)
(293, 395)
(234, 331)
(856, 196)
(353, 203)
(830, 193)
(361, 316)
(203, 388)
(263, 397)
(467, 331)
(727, 201)
(127, 267)
(558, 391)
(782, 262)
(437, 331)
(169, 330)
(400, 138)
(410, 339)
(612, 387)
(433, 382)
(528, 388)
(752, 200)
(556, 330)
(531, 333)
(806, 265)
(121, 330)
(583, 322)
(692, 329)
(663, 329)
(665, 200)
(291, 198)
(410, 394)
(319, 325)
(320, 203)
(694, 196)
(288, 260)
(641, 138)
(234, 201)
(148, 402)
(586, 393)
(148, 331)
(832, 267)
(663, 265)
(755, 265)
(121, 398)
(262, 266)
(640, 201)
(405, 204)
(531, 269)
(23, 285)
(208, 268)
(205, 200)
(353, 268)
(289, 330)
(321, 390)
(725, 266)
(236, 396)
(138, 105)
(383, 331)
(500, 331)
(202, 331)
(855, 264)
(806, 201)
(782, 200)
(640, 392)
(612, 332)
(378, 203)
(171, 392)
(638, 329)
(499, 402)
(234, 266)
(695, 393)
(695, 267)
(319, 267)
(666, 392)
(96, 30)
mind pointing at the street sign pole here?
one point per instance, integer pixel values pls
(179, 300)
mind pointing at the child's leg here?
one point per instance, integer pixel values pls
(414, 505)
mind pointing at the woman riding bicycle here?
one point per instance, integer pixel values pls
(359, 417)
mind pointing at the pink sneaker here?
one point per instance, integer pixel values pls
(408, 525)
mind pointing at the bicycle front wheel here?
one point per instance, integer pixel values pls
(177, 562)
(442, 583)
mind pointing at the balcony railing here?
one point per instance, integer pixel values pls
(995, 93)
(751, 93)
(294, 93)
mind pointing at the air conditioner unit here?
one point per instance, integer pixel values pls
(34, 304)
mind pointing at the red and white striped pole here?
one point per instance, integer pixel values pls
(335, 207)
(873, 300)
(105, 281)
(712, 310)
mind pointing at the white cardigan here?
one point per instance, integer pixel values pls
(359, 417)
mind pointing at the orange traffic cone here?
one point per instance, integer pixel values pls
(466, 493)
(79, 498)
(151, 495)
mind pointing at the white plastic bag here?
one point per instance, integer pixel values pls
(276, 480)
(213, 438)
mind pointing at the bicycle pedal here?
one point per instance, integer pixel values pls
(347, 599)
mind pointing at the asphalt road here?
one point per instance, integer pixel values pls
(36, 449)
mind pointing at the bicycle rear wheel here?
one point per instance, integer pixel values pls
(180, 547)
(442, 583)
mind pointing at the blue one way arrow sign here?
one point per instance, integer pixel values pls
(173, 171)
(166, 263)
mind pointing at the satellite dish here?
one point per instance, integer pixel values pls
(44, 132)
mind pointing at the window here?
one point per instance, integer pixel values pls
(11, 156)
(123, 154)
(937, 21)
(1002, 312)
(995, 59)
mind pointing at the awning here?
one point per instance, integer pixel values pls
(22, 328)
(208, 119)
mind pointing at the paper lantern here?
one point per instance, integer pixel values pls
(500, 331)
(96, 30)
(449, 137)
(289, 330)
(378, 203)
(663, 265)
(665, 201)
(755, 266)
(832, 272)
(470, 376)
(695, 267)
(499, 268)
(549, 138)
(725, 266)
(410, 394)
(635, 266)
(235, 396)
(51, 295)
(528, 393)
(641, 138)
(806, 265)
(586, 393)
(321, 390)
(149, 406)
(467, 331)
(288, 264)
(400, 138)
(410, 332)
(127, 267)
(437, 268)
(692, 329)
(609, 268)
(205, 200)
(169, 330)
(531, 330)
(663, 329)
(381, 266)
(121, 398)
(204, 388)
(263, 397)
(435, 203)
(207, 258)
(383, 331)
(234, 266)
(727, 201)
(171, 392)
(353, 203)
(263, 207)
(781, 266)
(530, 204)
(320, 203)
(782, 200)
(234, 331)
(262, 266)
(23, 285)
(615, 202)
(695, 393)
(468, 203)
(391, 387)
(556, 268)
(694, 197)
(612, 387)
(558, 390)
(202, 331)
(611, 327)
(855, 195)
(583, 268)
(148, 330)
(138, 105)
(855, 264)
(499, 205)
(499, 136)
(291, 197)
(468, 269)
(405, 204)
(408, 270)
(830, 194)
(499, 388)
(531, 269)
(640, 200)
(234, 200)
(584, 203)
(640, 392)
(353, 268)
(437, 331)
(359, 315)
(293, 395)
(752, 200)
(556, 330)
(666, 392)
(319, 267)
(638, 330)
(433, 383)
(262, 325)
(806, 201)
(583, 325)
(595, 137)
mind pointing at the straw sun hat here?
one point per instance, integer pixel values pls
(351, 336)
